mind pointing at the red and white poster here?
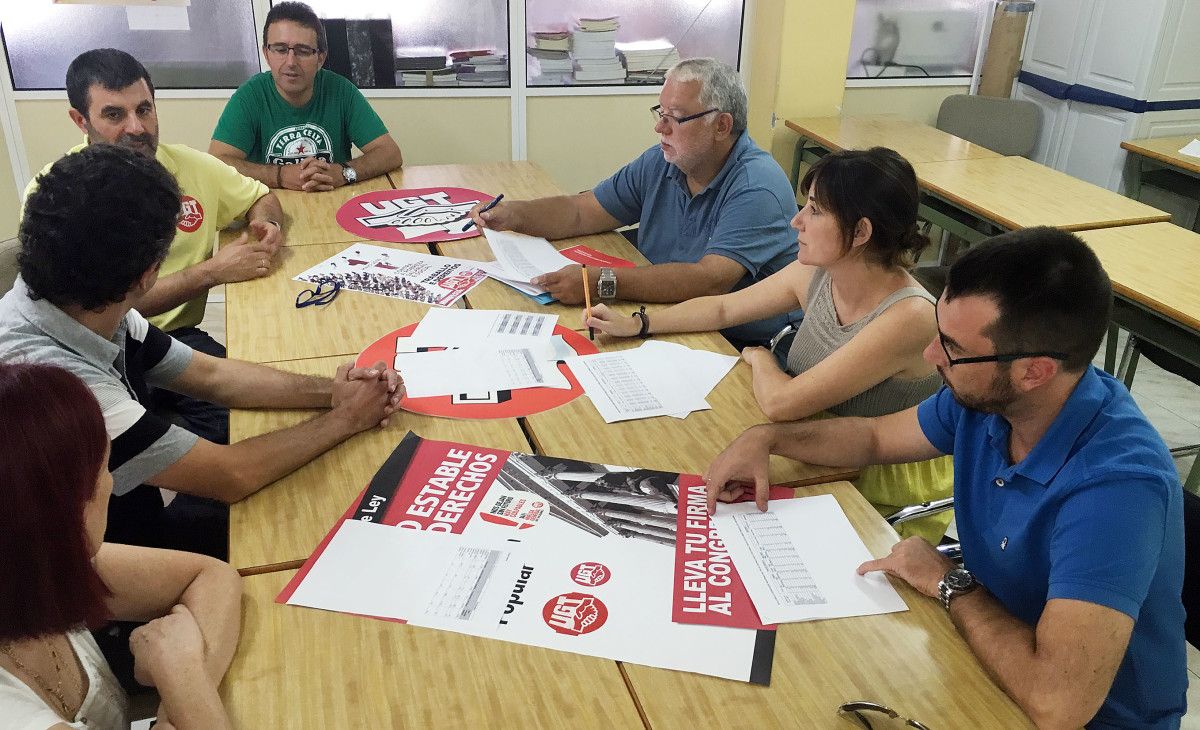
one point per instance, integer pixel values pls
(416, 215)
(538, 550)
(391, 272)
(491, 404)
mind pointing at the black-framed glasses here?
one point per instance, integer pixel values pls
(1006, 357)
(301, 50)
(874, 716)
(657, 113)
(325, 293)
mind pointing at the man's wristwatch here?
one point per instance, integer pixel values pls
(956, 582)
(606, 285)
(349, 174)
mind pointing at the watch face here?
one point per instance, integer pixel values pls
(959, 579)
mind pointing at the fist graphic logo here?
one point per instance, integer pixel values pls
(191, 215)
(574, 614)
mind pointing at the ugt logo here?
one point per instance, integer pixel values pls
(191, 215)
(574, 614)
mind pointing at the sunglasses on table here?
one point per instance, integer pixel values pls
(325, 293)
(874, 716)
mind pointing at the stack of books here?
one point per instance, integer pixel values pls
(480, 68)
(446, 76)
(549, 67)
(593, 49)
(552, 40)
(420, 62)
(647, 61)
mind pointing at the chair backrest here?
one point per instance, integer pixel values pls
(8, 263)
(1006, 126)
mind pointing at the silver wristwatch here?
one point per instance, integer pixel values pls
(349, 174)
(606, 285)
(956, 582)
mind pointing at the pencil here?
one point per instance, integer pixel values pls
(587, 302)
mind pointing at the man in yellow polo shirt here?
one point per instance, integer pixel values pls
(112, 100)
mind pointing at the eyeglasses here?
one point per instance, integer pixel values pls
(325, 293)
(656, 113)
(874, 716)
(1007, 357)
(301, 50)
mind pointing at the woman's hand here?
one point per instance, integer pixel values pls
(611, 323)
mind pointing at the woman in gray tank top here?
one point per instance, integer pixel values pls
(858, 351)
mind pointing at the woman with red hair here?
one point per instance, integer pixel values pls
(57, 577)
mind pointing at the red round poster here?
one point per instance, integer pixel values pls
(497, 404)
(415, 215)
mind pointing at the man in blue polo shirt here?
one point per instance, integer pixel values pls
(712, 208)
(1068, 505)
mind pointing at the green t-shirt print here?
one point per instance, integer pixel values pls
(259, 122)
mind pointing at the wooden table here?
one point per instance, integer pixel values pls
(1009, 193)
(669, 444)
(913, 661)
(915, 141)
(298, 667)
(280, 525)
(264, 325)
(1159, 162)
(304, 668)
(309, 217)
(1156, 297)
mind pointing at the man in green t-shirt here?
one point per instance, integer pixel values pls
(292, 127)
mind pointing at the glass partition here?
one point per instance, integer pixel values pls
(915, 38)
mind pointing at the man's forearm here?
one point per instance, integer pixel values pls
(673, 282)
(240, 384)
(179, 288)
(829, 442)
(266, 174)
(1004, 645)
(266, 208)
(550, 218)
(376, 162)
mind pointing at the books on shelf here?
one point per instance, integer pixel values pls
(612, 23)
(594, 70)
(552, 40)
(420, 63)
(440, 77)
(656, 55)
(480, 68)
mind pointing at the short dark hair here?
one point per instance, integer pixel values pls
(879, 185)
(1051, 290)
(52, 450)
(300, 14)
(99, 219)
(111, 68)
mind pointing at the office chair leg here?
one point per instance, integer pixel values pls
(1192, 482)
(1129, 361)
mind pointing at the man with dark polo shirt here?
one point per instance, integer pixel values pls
(1068, 505)
(292, 127)
(712, 208)
(93, 236)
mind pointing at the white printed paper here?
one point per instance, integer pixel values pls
(398, 274)
(799, 560)
(472, 370)
(524, 257)
(1191, 149)
(479, 327)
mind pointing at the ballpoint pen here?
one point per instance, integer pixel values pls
(485, 209)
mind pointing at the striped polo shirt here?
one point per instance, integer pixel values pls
(119, 373)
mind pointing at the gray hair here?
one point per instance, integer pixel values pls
(720, 86)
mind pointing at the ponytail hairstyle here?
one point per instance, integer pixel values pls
(880, 186)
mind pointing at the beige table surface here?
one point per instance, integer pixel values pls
(310, 218)
(282, 523)
(303, 668)
(913, 661)
(1165, 150)
(1154, 265)
(576, 430)
(264, 325)
(915, 141)
(1018, 193)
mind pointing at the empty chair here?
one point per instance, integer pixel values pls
(1006, 126)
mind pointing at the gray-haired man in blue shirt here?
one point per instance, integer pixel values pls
(712, 207)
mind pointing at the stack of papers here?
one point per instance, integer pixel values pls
(656, 379)
(1191, 149)
(487, 350)
(519, 258)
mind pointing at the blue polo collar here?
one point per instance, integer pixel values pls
(1051, 452)
(739, 147)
